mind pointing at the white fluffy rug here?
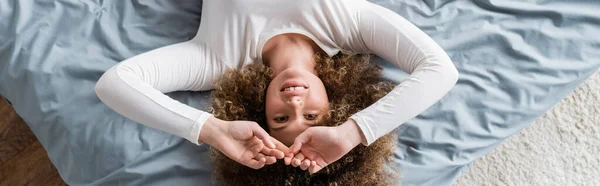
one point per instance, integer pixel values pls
(562, 147)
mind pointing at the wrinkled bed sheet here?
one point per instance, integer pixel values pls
(516, 59)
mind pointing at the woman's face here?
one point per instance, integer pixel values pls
(296, 99)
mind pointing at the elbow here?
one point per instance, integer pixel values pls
(447, 71)
(102, 87)
(451, 74)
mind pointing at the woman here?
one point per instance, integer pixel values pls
(283, 35)
(352, 84)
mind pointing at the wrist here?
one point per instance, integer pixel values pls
(210, 131)
(354, 135)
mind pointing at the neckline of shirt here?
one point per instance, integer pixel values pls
(266, 36)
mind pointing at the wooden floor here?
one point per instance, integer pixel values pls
(23, 160)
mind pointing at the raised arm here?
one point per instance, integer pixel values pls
(135, 87)
(432, 73)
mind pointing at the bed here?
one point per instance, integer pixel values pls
(516, 60)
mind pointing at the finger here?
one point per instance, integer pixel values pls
(290, 155)
(256, 164)
(303, 138)
(305, 164)
(270, 160)
(281, 149)
(258, 156)
(280, 146)
(321, 162)
(314, 167)
(287, 160)
(256, 146)
(297, 160)
(262, 135)
(273, 152)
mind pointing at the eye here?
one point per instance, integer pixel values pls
(281, 119)
(310, 116)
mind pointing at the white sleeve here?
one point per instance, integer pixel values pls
(395, 39)
(135, 87)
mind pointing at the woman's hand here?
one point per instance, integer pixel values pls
(322, 146)
(243, 141)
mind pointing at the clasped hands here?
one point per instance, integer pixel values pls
(248, 144)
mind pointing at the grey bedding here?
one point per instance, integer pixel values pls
(516, 59)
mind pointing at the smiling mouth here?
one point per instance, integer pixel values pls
(293, 89)
(292, 86)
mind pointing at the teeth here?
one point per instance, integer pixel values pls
(293, 88)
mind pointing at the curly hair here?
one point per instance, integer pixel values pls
(352, 83)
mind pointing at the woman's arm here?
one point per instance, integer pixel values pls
(432, 73)
(135, 87)
(393, 38)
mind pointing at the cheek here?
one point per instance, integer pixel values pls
(321, 96)
(319, 89)
(288, 135)
(284, 137)
(268, 104)
(271, 105)
(270, 125)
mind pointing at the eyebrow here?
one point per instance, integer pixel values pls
(283, 127)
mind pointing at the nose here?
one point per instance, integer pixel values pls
(296, 101)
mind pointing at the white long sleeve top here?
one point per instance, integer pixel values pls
(232, 34)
